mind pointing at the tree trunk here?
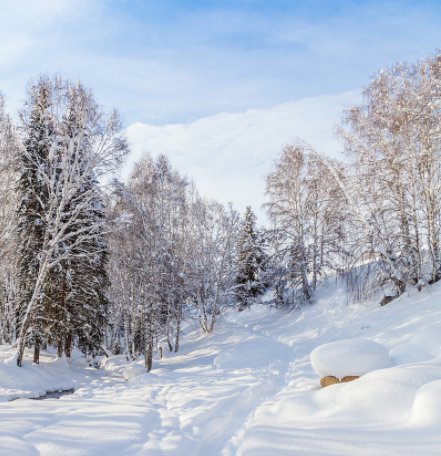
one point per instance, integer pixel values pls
(37, 351)
(178, 330)
(203, 319)
(170, 346)
(68, 344)
(30, 310)
(60, 348)
(148, 353)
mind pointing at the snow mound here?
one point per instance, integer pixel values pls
(383, 394)
(349, 357)
(133, 370)
(115, 364)
(118, 365)
(426, 409)
(33, 380)
(424, 345)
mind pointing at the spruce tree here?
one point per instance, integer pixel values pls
(69, 146)
(32, 196)
(250, 263)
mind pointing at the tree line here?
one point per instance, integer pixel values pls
(373, 219)
(89, 261)
(94, 263)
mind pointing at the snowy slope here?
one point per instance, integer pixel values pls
(250, 389)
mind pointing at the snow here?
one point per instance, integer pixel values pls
(426, 409)
(31, 381)
(119, 365)
(349, 357)
(243, 145)
(248, 389)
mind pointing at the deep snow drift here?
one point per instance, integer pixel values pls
(349, 357)
(250, 389)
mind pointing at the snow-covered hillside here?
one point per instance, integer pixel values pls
(249, 389)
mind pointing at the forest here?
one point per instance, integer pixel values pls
(92, 262)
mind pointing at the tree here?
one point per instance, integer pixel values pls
(307, 207)
(250, 263)
(33, 202)
(9, 146)
(212, 252)
(393, 140)
(148, 264)
(68, 146)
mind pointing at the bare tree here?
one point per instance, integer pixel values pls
(212, 265)
(147, 265)
(9, 146)
(393, 140)
(306, 204)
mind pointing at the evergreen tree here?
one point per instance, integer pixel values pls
(33, 198)
(250, 263)
(62, 254)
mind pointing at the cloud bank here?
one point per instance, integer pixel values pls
(229, 154)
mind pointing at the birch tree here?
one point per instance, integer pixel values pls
(147, 267)
(306, 204)
(393, 141)
(213, 242)
(9, 146)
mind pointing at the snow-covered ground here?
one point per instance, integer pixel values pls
(249, 389)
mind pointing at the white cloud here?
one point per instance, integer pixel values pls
(228, 154)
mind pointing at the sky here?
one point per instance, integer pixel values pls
(198, 80)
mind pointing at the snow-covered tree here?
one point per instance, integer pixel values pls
(215, 231)
(306, 204)
(251, 262)
(68, 146)
(393, 141)
(9, 146)
(147, 265)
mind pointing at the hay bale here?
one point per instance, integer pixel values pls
(349, 378)
(328, 381)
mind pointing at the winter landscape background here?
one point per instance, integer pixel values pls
(220, 228)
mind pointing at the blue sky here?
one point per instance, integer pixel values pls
(281, 69)
(163, 61)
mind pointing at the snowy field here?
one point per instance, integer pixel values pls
(250, 389)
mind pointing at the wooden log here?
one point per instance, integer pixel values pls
(349, 378)
(327, 381)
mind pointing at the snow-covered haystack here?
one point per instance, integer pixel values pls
(348, 359)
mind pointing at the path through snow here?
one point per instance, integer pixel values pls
(250, 390)
(192, 403)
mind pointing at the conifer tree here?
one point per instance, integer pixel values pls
(251, 262)
(33, 199)
(62, 277)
